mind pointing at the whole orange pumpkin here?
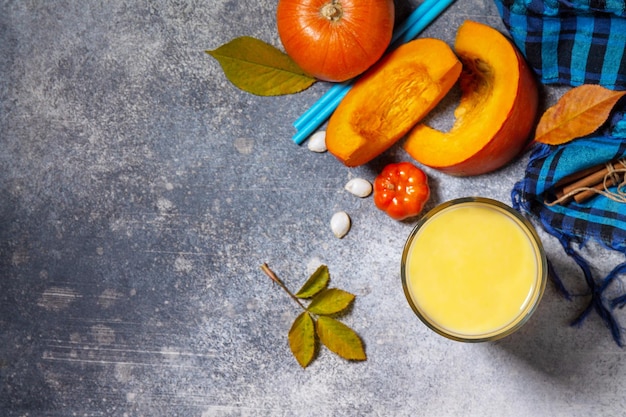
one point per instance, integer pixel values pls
(335, 40)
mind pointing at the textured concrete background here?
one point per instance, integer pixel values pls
(140, 193)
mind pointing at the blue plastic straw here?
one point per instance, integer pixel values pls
(435, 8)
(422, 10)
(320, 104)
(421, 17)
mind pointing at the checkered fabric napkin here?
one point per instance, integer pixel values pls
(570, 42)
(574, 224)
(575, 42)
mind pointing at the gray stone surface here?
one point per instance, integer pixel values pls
(140, 193)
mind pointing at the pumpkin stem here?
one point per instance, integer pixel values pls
(332, 11)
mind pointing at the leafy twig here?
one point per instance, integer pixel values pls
(315, 322)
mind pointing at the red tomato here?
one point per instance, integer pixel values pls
(335, 40)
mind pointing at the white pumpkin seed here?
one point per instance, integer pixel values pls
(359, 187)
(317, 142)
(340, 224)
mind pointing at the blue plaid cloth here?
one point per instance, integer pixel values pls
(570, 42)
(575, 42)
(573, 224)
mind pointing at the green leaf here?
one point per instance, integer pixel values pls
(330, 301)
(340, 339)
(259, 68)
(302, 339)
(316, 283)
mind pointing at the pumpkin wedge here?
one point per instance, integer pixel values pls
(390, 98)
(496, 113)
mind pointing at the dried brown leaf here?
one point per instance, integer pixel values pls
(579, 112)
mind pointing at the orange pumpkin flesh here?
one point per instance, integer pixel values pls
(496, 113)
(390, 98)
(335, 40)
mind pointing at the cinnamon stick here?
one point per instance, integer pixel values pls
(568, 179)
(587, 194)
(592, 177)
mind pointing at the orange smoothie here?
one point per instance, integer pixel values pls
(473, 269)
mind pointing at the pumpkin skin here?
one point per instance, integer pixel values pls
(496, 114)
(335, 40)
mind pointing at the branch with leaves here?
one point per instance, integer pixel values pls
(316, 323)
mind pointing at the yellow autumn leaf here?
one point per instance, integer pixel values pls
(316, 283)
(259, 68)
(302, 339)
(340, 339)
(330, 301)
(579, 112)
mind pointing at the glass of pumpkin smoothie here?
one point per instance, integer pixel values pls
(473, 269)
